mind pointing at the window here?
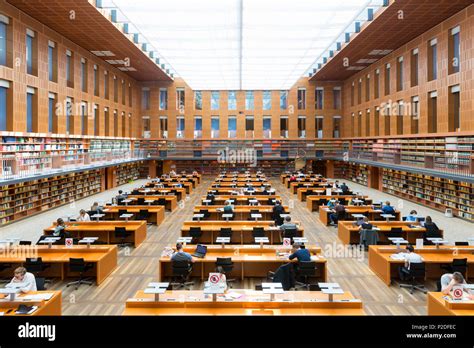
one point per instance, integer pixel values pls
(51, 108)
(146, 124)
(414, 68)
(359, 124)
(377, 84)
(4, 21)
(454, 50)
(415, 109)
(163, 99)
(387, 79)
(359, 92)
(319, 127)
(180, 99)
(267, 100)
(52, 62)
(231, 100)
(115, 89)
(301, 98)
(432, 112)
(319, 98)
(180, 127)
(96, 80)
(336, 127)
(84, 75)
(336, 93)
(84, 118)
(367, 122)
(146, 98)
(163, 127)
(301, 126)
(214, 126)
(123, 124)
(96, 120)
(30, 94)
(400, 115)
(283, 100)
(267, 127)
(30, 52)
(130, 95)
(386, 117)
(198, 100)
(106, 85)
(454, 112)
(249, 100)
(69, 115)
(400, 74)
(197, 127)
(284, 127)
(249, 126)
(232, 127)
(70, 70)
(4, 86)
(124, 92)
(367, 87)
(107, 121)
(352, 125)
(377, 122)
(215, 100)
(432, 59)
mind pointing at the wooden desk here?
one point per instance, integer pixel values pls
(228, 192)
(157, 212)
(241, 212)
(312, 202)
(386, 268)
(241, 231)
(349, 234)
(249, 261)
(187, 186)
(105, 230)
(438, 305)
(104, 258)
(179, 192)
(240, 179)
(194, 302)
(288, 183)
(171, 201)
(241, 184)
(372, 214)
(243, 200)
(312, 185)
(45, 307)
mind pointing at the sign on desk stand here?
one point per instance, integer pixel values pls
(457, 292)
(69, 242)
(419, 243)
(328, 192)
(286, 242)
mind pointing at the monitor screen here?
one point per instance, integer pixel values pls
(201, 249)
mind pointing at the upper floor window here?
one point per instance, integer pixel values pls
(454, 50)
(267, 100)
(180, 99)
(163, 99)
(231, 100)
(215, 100)
(198, 100)
(301, 98)
(283, 100)
(249, 100)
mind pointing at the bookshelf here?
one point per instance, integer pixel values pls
(128, 172)
(357, 173)
(29, 198)
(437, 193)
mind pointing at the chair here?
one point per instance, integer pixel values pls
(395, 232)
(205, 212)
(135, 192)
(368, 237)
(141, 201)
(40, 284)
(181, 272)
(36, 266)
(161, 201)
(81, 267)
(226, 232)
(4, 267)
(122, 211)
(25, 242)
(122, 234)
(461, 243)
(417, 271)
(143, 215)
(253, 211)
(227, 267)
(458, 265)
(270, 201)
(290, 233)
(305, 270)
(322, 202)
(258, 232)
(195, 233)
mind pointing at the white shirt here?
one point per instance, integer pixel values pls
(28, 280)
(412, 258)
(86, 217)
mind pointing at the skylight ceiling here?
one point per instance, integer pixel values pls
(240, 44)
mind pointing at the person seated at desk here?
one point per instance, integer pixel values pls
(410, 257)
(181, 255)
(365, 224)
(172, 173)
(292, 178)
(448, 281)
(300, 253)
(344, 188)
(288, 224)
(432, 230)
(336, 184)
(250, 188)
(339, 211)
(228, 208)
(20, 275)
(387, 208)
(96, 208)
(60, 229)
(120, 197)
(276, 211)
(359, 222)
(195, 173)
(83, 216)
(331, 204)
(412, 217)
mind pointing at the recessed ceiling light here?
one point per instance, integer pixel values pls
(356, 68)
(379, 52)
(103, 53)
(366, 61)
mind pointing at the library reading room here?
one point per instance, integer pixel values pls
(220, 160)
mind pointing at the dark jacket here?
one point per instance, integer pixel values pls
(285, 275)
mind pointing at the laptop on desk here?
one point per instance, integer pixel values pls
(201, 251)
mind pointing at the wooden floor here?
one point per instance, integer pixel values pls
(137, 267)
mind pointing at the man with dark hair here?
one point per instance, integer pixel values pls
(276, 211)
(300, 253)
(181, 255)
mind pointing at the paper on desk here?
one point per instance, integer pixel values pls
(37, 297)
(233, 295)
(314, 257)
(397, 257)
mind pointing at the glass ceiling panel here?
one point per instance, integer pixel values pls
(240, 44)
